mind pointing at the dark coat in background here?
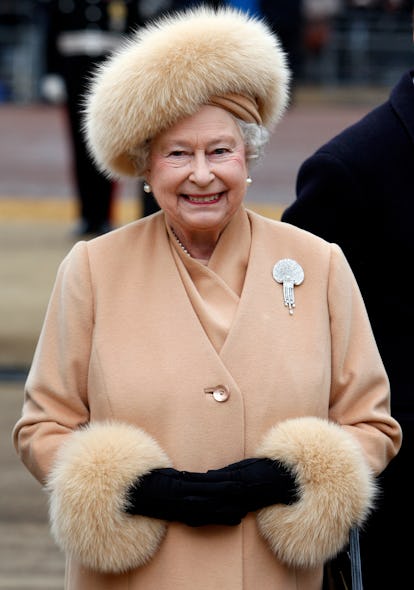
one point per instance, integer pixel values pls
(357, 190)
(73, 55)
(68, 55)
(286, 18)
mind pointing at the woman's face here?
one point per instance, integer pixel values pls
(198, 172)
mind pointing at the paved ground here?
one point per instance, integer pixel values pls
(29, 559)
(36, 216)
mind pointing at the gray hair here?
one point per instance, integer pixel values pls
(255, 138)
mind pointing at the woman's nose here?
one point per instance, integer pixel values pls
(201, 172)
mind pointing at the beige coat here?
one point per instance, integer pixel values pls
(123, 352)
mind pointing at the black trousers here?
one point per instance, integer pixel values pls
(94, 191)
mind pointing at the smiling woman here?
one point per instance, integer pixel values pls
(206, 380)
(198, 170)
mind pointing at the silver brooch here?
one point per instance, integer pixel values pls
(289, 273)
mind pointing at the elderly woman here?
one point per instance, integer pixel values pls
(207, 407)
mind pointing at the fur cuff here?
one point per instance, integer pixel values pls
(87, 489)
(336, 490)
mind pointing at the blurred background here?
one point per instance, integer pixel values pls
(343, 43)
(346, 56)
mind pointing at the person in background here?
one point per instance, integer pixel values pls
(79, 35)
(356, 190)
(206, 407)
(286, 19)
(319, 17)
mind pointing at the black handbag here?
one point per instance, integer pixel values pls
(343, 572)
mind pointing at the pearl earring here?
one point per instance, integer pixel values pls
(249, 180)
(146, 188)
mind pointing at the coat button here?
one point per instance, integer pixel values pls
(220, 393)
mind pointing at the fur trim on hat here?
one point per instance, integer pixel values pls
(168, 69)
(336, 491)
(87, 487)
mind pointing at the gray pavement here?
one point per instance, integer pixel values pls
(29, 559)
(36, 216)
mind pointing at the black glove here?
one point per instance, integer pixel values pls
(185, 497)
(263, 482)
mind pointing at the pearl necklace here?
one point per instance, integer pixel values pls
(183, 248)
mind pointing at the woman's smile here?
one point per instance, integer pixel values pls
(203, 199)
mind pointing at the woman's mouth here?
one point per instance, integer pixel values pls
(203, 199)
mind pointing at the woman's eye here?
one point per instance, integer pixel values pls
(177, 153)
(220, 151)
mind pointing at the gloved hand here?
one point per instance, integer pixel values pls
(185, 497)
(219, 496)
(263, 482)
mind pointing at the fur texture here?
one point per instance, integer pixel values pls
(336, 490)
(87, 492)
(169, 69)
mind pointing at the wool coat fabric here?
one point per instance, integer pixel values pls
(357, 190)
(122, 382)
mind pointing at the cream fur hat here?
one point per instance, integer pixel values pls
(170, 68)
